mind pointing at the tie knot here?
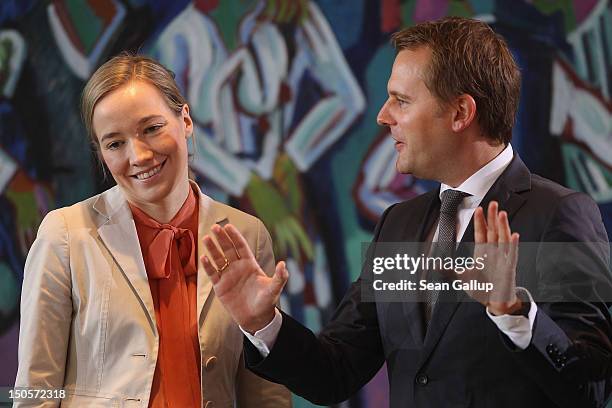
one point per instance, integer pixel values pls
(178, 231)
(451, 200)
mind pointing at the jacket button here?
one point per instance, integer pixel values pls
(422, 379)
(209, 404)
(210, 363)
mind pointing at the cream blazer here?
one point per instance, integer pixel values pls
(87, 317)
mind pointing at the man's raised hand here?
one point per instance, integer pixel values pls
(246, 292)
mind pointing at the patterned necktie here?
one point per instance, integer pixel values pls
(447, 238)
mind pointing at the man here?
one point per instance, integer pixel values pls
(453, 95)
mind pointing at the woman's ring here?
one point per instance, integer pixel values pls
(224, 266)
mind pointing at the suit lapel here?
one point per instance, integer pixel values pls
(118, 232)
(210, 214)
(515, 179)
(427, 211)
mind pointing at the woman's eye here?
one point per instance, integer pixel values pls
(114, 145)
(154, 128)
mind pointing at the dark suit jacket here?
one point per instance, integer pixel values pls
(465, 360)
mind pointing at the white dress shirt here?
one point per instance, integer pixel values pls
(517, 328)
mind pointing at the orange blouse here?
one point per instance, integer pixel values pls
(169, 252)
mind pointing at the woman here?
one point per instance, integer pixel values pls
(115, 309)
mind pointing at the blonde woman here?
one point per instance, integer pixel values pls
(115, 308)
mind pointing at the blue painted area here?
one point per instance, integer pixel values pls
(606, 213)
(345, 18)
(11, 10)
(12, 133)
(162, 13)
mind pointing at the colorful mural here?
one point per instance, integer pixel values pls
(284, 95)
(257, 132)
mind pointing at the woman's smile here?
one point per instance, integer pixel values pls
(150, 174)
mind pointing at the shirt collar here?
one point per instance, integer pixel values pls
(480, 182)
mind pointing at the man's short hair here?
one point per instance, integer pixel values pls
(468, 57)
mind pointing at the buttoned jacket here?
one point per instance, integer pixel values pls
(461, 358)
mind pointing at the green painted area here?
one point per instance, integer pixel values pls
(347, 160)
(598, 123)
(9, 290)
(482, 6)
(299, 402)
(566, 7)
(87, 25)
(573, 153)
(283, 12)
(569, 153)
(407, 10)
(312, 318)
(460, 8)
(607, 27)
(228, 16)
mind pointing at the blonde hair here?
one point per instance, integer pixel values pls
(120, 70)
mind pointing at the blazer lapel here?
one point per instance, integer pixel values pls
(210, 214)
(118, 232)
(515, 179)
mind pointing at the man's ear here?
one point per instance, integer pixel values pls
(187, 121)
(464, 112)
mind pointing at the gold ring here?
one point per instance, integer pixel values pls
(224, 266)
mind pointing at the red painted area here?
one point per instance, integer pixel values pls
(205, 6)
(427, 10)
(104, 9)
(582, 9)
(390, 15)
